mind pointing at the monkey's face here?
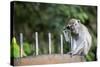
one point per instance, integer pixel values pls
(73, 26)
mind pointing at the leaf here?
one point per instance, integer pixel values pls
(27, 47)
(15, 50)
(85, 16)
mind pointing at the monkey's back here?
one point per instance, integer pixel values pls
(87, 36)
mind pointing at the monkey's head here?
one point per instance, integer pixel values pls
(73, 25)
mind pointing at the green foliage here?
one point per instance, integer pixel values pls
(27, 48)
(15, 50)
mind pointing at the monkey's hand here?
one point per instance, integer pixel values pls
(66, 35)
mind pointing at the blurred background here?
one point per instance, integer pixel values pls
(31, 17)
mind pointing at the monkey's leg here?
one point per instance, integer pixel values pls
(79, 47)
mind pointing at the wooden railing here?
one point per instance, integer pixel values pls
(45, 59)
(37, 44)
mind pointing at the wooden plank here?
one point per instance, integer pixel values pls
(21, 44)
(49, 35)
(36, 39)
(61, 38)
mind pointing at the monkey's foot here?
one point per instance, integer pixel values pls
(71, 53)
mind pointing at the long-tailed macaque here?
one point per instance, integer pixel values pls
(78, 35)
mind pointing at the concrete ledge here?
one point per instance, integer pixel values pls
(47, 59)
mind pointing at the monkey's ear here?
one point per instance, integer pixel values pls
(78, 21)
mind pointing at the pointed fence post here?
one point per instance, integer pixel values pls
(61, 39)
(21, 44)
(36, 39)
(49, 35)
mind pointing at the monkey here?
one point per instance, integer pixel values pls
(78, 35)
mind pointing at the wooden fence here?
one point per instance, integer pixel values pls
(45, 59)
(37, 44)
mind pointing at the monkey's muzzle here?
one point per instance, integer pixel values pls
(66, 27)
(70, 27)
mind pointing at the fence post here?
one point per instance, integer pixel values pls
(49, 35)
(36, 39)
(61, 39)
(21, 44)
